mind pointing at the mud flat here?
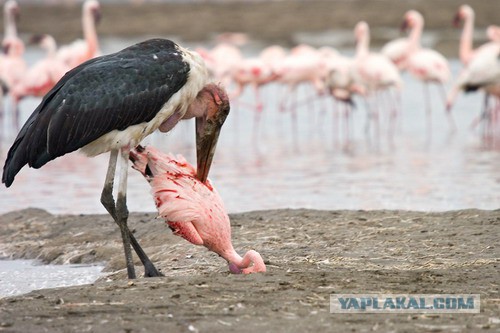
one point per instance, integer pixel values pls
(310, 254)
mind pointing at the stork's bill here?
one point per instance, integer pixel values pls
(215, 103)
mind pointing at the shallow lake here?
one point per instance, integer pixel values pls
(315, 165)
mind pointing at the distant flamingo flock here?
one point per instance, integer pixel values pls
(367, 74)
(373, 76)
(19, 80)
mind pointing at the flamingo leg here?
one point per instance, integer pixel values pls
(451, 120)
(428, 107)
(258, 111)
(119, 212)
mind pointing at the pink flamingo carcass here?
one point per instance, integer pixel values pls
(44, 74)
(192, 209)
(80, 51)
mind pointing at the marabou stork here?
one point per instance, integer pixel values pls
(112, 102)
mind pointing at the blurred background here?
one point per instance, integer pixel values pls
(313, 162)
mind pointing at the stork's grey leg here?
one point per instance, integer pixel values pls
(108, 202)
(122, 212)
(107, 199)
(116, 210)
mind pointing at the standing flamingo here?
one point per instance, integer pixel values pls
(111, 103)
(466, 52)
(339, 82)
(304, 65)
(191, 208)
(466, 14)
(493, 33)
(425, 64)
(221, 60)
(43, 75)
(483, 72)
(397, 51)
(12, 64)
(80, 51)
(374, 72)
(255, 72)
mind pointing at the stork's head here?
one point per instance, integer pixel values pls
(210, 109)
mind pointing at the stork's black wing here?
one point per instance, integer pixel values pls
(107, 93)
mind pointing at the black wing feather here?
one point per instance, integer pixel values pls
(107, 93)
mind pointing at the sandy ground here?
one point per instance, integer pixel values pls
(310, 255)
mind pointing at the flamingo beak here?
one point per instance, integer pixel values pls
(5, 48)
(96, 12)
(17, 14)
(234, 269)
(456, 20)
(208, 129)
(36, 39)
(404, 26)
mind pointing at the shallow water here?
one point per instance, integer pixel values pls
(420, 167)
(22, 276)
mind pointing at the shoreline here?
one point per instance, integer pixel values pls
(309, 253)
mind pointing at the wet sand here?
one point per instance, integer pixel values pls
(310, 254)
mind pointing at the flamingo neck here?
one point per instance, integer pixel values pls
(250, 263)
(89, 33)
(465, 51)
(10, 25)
(415, 36)
(363, 45)
(51, 48)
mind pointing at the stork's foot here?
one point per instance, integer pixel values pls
(151, 271)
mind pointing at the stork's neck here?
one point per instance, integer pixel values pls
(90, 32)
(465, 51)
